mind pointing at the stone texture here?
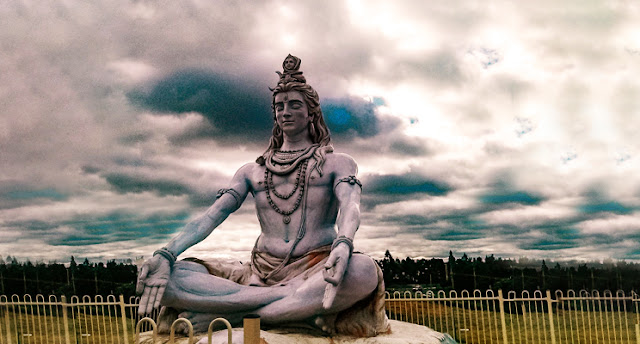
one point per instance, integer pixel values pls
(401, 333)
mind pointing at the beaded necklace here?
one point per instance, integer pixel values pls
(299, 184)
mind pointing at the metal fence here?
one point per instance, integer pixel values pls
(477, 317)
(77, 320)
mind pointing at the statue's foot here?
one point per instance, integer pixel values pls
(326, 323)
(166, 317)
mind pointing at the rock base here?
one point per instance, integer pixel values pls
(401, 333)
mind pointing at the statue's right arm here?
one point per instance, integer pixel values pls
(198, 229)
(154, 274)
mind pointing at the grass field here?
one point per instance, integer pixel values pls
(88, 325)
(480, 322)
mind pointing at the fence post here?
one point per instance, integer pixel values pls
(124, 320)
(502, 319)
(7, 321)
(65, 320)
(550, 311)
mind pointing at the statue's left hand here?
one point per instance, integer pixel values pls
(336, 265)
(152, 282)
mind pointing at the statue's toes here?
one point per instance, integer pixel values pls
(199, 321)
(326, 323)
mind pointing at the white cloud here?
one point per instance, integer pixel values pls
(613, 225)
(531, 216)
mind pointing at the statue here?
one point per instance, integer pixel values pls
(303, 270)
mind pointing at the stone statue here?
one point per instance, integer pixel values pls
(303, 271)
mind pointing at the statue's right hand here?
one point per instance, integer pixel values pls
(152, 282)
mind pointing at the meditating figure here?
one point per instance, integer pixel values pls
(303, 271)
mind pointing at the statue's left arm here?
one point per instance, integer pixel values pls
(347, 189)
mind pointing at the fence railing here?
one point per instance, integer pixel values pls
(477, 317)
(61, 321)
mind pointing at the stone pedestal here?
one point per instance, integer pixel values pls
(401, 333)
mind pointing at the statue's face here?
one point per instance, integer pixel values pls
(292, 114)
(289, 63)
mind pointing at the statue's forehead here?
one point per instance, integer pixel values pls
(288, 96)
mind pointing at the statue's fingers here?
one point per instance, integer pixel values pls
(331, 276)
(153, 295)
(141, 277)
(331, 261)
(144, 300)
(161, 290)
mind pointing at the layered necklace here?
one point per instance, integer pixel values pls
(284, 163)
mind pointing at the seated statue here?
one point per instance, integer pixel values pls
(303, 271)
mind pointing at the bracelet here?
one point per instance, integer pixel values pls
(351, 180)
(166, 254)
(343, 239)
(232, 192)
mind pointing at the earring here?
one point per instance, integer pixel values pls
(312, 128)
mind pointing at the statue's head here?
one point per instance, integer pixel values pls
(292, 80)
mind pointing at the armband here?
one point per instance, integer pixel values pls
(351, 180)
(343, 239)
(166, 254)
(231, 192)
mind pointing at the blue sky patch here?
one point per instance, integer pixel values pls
(35, 194)
(519, 197)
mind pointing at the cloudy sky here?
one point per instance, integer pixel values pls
(485, 127)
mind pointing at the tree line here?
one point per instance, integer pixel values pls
(493, 273)
(464, 273)
(67, 279)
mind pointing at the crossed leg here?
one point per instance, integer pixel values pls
(203, 297)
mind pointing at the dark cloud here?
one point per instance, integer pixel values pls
(88, 169)
(380, 189)
(502, 193)
(240, 109)
(17, 195)
(120, 226)
(409, 146)
(549, 244)
(596, 202)
(233, 107)
(405, 185)
(519, 197)
(98, 229)
(124, 183)
(605, 207)
(455, 234)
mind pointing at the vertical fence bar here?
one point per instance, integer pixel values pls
(550, 310)
(622, 294)
(634, 297)
(7, 320)
(65, 320)
(464, 315)
(503, 322)
(608, 313)
(124, 320)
